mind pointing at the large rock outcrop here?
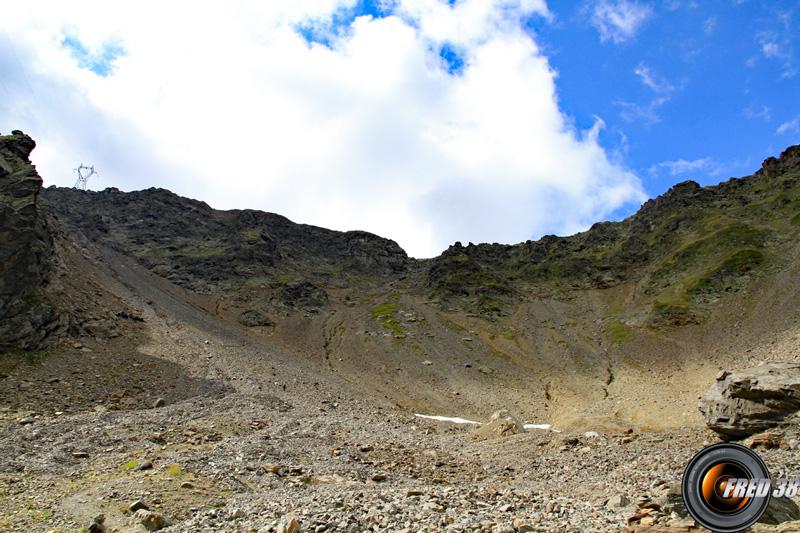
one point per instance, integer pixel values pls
(207, 250)
(753, 400)
(26, 246)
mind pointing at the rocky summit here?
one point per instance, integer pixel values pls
(166, 366)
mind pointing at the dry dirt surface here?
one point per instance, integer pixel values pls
(184, 422)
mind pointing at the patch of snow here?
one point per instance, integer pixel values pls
(458, 420)
(537, 426)
(546, 427)
(454, 419)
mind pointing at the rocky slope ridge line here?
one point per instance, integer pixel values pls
(689, 241)
(683, 248)
(205, 249)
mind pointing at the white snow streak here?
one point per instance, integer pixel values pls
(458, 420)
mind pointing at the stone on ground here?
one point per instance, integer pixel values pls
(752, 400)
(501, 424)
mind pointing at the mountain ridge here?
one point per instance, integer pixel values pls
(664, 288)
(669, 247)
(788, 159)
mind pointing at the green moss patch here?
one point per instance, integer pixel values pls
(130, 465)
(386, 314)
(618, 332)
(250, 234)
(724, 236)
(281, 279)
(26, 356)
(174, 470)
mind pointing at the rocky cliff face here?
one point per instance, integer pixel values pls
(27, 320)
(204, 249)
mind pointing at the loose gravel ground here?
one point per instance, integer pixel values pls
(179, 426)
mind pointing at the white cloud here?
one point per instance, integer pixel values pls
(233, 106)
(790, 126)
(619, 20)
(659, 85)
(647, 113)
(710, 25)
(771, 49)
(763, 113)
(674, 5)
(680, 167)
(778, 42)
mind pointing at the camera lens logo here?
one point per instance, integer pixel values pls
(726, 487)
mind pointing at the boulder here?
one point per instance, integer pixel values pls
(780, 511)
(98, 525)
(289, 524)
(766, 441)
(618, 501)
(671, 501)
(501, 424)
(137, 505)
(752, 400)
(301, 295)
(150, 520)
(786, 527)
(252, 318)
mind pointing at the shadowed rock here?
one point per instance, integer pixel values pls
(779, 511)
(27, 320)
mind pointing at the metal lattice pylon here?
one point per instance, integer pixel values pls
(84, 173)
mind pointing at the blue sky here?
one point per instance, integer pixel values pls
(426, 121)
(694, 90)
(100, 62)
(729, 72)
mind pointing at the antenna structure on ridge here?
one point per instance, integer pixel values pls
(84, 173)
